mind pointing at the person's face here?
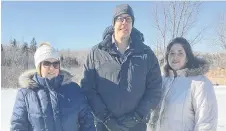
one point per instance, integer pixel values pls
(177, 57)
(50, 68)
(123, 26)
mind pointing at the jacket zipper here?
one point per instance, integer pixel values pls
(162, 109)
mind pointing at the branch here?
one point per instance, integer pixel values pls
(181, 14)
(197, 36)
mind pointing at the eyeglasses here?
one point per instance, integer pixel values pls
(121, 19)
(55, 64)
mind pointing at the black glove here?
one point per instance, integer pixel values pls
(112, 125)
(130, 120)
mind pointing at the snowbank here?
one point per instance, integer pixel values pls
(8, 98)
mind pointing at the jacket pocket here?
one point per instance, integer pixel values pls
(36, 121)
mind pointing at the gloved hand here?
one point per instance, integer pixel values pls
(130, 120)
(113, 125)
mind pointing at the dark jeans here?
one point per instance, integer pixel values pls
(139, 127)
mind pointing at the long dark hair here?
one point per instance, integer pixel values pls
(192, 61)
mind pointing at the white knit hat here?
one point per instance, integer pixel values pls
(45, 51)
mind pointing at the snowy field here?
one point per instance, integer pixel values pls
(8, 97)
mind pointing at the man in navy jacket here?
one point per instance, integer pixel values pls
(122, 78)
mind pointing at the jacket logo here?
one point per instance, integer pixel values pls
(138, 56)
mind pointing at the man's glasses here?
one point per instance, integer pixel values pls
(55, 64)
(121, 19)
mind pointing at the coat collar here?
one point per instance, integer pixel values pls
(136, 36)
(181, 72)
(28, 80)
(202, 69)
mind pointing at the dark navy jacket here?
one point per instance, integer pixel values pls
(118, 88)
(50, 105)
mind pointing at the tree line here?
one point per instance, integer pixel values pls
(17, 58)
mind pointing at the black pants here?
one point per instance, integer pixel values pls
(139, 127)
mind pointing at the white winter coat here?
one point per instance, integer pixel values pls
(189, 102)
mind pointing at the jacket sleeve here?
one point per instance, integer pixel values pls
(152, 96)
(19, 119)
(88, 83)
(86, 119)
(205, 107)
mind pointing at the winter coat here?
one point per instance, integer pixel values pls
(50, 105)
(118, 88)
(189, 101)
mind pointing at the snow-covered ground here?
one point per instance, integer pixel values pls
(8, 97)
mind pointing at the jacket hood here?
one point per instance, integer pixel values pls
(26, 79)
(136, 36)
(203, 68)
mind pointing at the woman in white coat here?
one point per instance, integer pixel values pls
(189, 101)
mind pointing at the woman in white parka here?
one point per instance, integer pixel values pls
(189, 101)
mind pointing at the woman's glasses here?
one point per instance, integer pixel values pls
(56, 64)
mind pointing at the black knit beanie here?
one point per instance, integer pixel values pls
(122, 9)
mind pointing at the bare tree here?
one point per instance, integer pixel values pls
(175, 19)
(221, 31)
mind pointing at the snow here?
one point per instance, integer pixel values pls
(7, 101)
(8, 98)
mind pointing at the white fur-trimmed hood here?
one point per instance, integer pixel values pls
(201, 70)
(26, 81)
